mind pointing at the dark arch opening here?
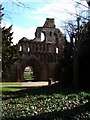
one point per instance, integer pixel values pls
(34, 64)
(17, 70)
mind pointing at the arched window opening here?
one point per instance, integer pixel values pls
(42, 36)
(20, 48)
(56, 50)
(28, 49)
(28, 74)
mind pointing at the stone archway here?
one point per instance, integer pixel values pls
(17, 70)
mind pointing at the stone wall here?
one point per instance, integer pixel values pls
(41, 55)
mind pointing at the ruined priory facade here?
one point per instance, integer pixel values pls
(42, 56)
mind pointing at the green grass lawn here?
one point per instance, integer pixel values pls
(8, 86)
(28, 75)
(4, 84)
(11, 89)
(48, 102)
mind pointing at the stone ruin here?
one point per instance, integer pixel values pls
(42, 55)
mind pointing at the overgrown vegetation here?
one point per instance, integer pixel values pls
(9, 53)
(49, 102)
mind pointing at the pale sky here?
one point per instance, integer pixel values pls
(27, 15)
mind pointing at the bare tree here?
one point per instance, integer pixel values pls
(73, 30)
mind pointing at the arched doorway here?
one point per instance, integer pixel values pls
(28, 74)
(30, 64)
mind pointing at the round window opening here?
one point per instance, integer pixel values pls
(28, 73)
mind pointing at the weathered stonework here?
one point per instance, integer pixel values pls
(41, 55)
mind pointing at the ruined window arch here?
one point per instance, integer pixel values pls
(57, 50)
(28, 49)
(42, 36)
(20, 48)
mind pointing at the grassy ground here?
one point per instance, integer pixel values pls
(47, 102)
(8, 86)
(17, 86)
(28, 75)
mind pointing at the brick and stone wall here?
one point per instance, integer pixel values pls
(41, 55)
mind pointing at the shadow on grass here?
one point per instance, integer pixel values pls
(78, 113)
(44, 90)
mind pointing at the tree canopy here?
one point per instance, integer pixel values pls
(9, 53)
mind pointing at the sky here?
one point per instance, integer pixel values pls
(27, 15)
